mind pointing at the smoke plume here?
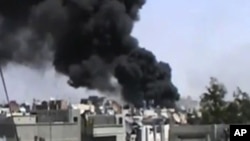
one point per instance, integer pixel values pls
(89, 41)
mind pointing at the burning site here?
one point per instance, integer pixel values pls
(90, 42)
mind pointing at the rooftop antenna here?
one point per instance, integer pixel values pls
(8, 100)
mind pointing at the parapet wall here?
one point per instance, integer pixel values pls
(198, 132)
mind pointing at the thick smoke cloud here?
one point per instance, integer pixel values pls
(88, 40)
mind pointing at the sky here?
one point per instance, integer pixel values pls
(198, 38)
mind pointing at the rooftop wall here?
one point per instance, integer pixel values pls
(62, 132)
(194, 132)
(24, 119)
(7, 127)
(52, 115)
(103, 119)
(28, 130)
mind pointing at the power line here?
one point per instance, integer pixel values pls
(8, 100)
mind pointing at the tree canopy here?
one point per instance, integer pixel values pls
(216, 110)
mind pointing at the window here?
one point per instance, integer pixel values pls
(75, 119)
(35, 138)
(158, 129)
(120, 120)
(108, 138)
(41, 139)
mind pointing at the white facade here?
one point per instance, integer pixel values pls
(4, 110)
(24, 120)
(84, 107)
(146, 122)
(148, 133)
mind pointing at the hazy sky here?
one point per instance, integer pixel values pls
(199, 39)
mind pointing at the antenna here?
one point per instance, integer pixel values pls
(8, 100)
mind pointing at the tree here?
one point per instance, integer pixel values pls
(216, 110)
(238, 110)
(213, 105)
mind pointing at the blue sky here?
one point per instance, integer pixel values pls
(199, 39)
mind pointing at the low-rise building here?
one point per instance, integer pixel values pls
(58, 121)
(103, 127)
(29, 128)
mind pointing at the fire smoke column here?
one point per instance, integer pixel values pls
(90, 41)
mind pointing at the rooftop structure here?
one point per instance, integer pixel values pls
(74, 123)
(45, 125)
(103, 126)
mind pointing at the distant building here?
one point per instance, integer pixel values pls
(84, 107)
(52, 104)
(64, 105)
(14, 106)
(188, 104)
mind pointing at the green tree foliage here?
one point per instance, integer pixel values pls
(216, 110)
(213, 104)
(238, 110)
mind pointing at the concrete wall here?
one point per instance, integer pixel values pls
(24, 119)
(102, 127)
(107, 131)
(110, 138)
(53, 115)
(197, 132)
(115, 128)
(55, 132)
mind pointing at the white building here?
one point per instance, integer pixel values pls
(148, 127)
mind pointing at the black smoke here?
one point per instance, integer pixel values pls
(91, 42)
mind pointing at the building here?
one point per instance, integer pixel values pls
(45, 127)
(57, 121)
(14, 106)
(188, 104)
(84, 107)
(148, 126)
(103, 127)
(4, 110)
